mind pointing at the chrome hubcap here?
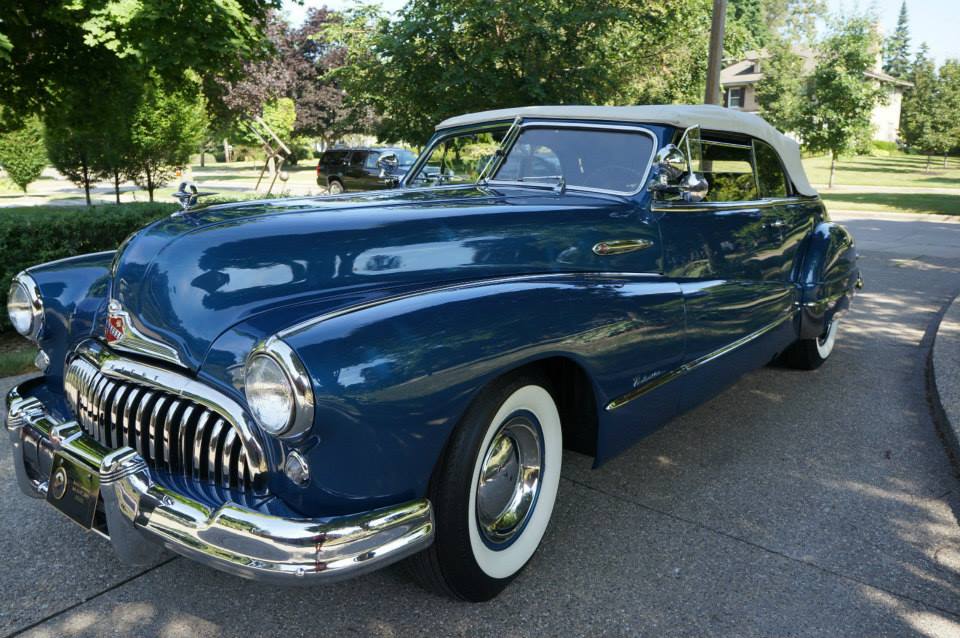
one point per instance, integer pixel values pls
(509, 480)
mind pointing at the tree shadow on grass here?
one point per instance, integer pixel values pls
(936, 203)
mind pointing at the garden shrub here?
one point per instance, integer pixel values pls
(32, 235)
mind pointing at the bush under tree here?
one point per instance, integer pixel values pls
(22, 153)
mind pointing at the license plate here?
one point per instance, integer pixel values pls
(74, 490)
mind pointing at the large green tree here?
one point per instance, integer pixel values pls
(45, 42)
(921, 123)
(835, 114)
(167, 127)
(896, 50)
(440, 58)
(781, 93)
(22, 154)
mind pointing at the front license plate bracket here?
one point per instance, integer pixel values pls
(74, 489)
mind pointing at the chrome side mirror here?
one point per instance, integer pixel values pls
(388, 162)
(674, 177)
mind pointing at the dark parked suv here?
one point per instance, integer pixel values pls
(362, 169)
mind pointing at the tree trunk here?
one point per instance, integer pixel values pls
(226, 150)
(927, 168)
(116, 184)
(833, 168)
(201, 156)
(944, 160)
(150, 184)
(86, 180)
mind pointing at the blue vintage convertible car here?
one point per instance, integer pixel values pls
(307, 389)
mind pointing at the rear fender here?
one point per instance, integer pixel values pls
(829, 277)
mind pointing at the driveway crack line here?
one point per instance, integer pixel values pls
(84, 601)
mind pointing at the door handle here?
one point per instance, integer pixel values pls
(620, 246)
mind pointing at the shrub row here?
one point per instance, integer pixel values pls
(33, 235)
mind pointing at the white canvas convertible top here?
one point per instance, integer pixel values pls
(709, 117)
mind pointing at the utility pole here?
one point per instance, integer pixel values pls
(715, 61)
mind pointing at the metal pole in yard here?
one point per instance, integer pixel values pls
(715, 59)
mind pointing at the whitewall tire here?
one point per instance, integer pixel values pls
(494, 491)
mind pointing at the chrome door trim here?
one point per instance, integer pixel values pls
(690, 366)
(706, 207)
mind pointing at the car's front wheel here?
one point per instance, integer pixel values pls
(809, 354)
(494, 490)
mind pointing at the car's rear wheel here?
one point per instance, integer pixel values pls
(494, 491)
(809, 354)
(335, 187)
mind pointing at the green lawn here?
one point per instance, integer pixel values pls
(934, 203)
(16, 354)
(895, 170)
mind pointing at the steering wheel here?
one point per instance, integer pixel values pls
(614, 177)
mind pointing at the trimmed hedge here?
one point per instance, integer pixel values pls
(33, 235)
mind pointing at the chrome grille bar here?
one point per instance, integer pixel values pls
(170, 432)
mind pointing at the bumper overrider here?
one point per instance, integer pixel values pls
(55, 460)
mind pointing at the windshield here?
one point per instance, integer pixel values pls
(611, 160)
(459, 158)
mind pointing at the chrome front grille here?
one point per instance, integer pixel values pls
(169, 431)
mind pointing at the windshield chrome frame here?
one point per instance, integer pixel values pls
(547, 123)
(441, 136)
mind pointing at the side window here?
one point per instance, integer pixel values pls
(356, 160)
(773, 182)
(371, 160)
(728, 168)
(334, 157)
(460, 158)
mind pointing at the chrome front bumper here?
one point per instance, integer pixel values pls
(142, 516)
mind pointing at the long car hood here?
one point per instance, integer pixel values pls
(186, 279)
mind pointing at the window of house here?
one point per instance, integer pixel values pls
(735, 97)
(770, 175)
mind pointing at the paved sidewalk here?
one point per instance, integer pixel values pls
(794, 504)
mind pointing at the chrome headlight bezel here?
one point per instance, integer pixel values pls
(23, 284)
(301, 388)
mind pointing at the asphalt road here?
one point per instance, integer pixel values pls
(794, 504)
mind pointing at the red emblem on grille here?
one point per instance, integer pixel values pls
(114, 329)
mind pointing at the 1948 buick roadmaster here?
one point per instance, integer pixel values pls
(306, 389)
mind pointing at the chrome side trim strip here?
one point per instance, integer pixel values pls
(706, 207)
(690, 366)
(479, 283)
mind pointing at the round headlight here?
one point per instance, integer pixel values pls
(24, 307)
(269, 394)
(279, 390)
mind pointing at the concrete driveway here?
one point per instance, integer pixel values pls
(796, 503)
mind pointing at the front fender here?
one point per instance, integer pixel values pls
(73, 291)
(829, 276)
(392, 379)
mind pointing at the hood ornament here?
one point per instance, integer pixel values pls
(188, 194)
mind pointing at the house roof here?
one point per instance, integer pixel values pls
(744, 71)
(708, 117)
